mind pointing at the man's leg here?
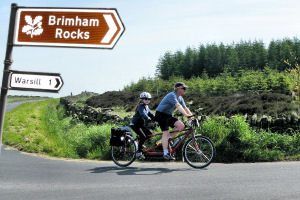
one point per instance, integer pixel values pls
(163, 122)
(164, 140)
(179, 126)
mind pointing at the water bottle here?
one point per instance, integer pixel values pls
(176, 141)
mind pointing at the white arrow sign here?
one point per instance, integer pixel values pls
(112, 28)
(35, 81)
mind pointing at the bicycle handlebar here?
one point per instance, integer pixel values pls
(194, 123)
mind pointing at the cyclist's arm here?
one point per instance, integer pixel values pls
(151, 115)
(187, 110)
(143, 113)
(183, 110)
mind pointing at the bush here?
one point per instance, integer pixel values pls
(91, 142)
(215, 129)
(266, 81)
(235, 141)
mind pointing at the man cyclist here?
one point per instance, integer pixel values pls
(164, 117)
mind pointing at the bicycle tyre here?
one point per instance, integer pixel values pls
(124, 155)
(199, 159)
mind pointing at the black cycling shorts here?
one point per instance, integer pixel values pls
(165, 120)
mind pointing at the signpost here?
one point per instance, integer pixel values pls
(54, 27)
(90, 28)
(35, 81)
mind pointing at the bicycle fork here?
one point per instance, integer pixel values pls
(136, 146)
(199, 152)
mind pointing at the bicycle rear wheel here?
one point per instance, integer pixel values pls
(201, 158)
(124, 155)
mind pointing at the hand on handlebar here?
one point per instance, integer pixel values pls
(193, 122)
(151, 123)
(155, 123)
(190, 117)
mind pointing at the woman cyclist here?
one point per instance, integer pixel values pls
(142, 116)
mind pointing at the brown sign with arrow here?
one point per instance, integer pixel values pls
(90, 28)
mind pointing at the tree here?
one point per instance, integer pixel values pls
(164, 67)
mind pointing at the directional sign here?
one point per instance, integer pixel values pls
(66, 27)
(35, 81)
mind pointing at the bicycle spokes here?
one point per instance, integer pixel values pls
(198, 152)
(124, 155)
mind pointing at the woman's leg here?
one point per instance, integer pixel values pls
(146, 133)
(142, 137)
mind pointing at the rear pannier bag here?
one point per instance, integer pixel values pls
(118, 135)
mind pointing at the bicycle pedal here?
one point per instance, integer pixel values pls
(168, 158)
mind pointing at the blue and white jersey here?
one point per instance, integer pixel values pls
(143, 113)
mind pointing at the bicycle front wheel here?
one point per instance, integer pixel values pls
(198, 153)
(124, 155)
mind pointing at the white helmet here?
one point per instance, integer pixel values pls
(145, 95)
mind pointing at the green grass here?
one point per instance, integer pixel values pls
(23, 128)
(121, 111)
(41, 127)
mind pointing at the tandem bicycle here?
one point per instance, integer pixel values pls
(197, 150)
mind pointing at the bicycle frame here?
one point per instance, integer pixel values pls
(186, 133)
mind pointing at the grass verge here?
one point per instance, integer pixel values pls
(41, 127)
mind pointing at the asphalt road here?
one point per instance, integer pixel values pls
(28, 177)
(10, 106)
(24, 176)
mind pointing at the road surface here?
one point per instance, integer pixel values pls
(30, 177)
(23, 176)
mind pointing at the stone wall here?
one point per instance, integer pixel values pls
(280, 124)
(88, 114)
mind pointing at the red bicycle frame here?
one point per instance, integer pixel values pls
(185, 133)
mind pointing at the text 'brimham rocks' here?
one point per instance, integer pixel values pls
(77, 21)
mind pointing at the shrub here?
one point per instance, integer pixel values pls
(235, 141)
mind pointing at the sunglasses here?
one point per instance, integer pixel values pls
(183, 88)
(147, 99)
